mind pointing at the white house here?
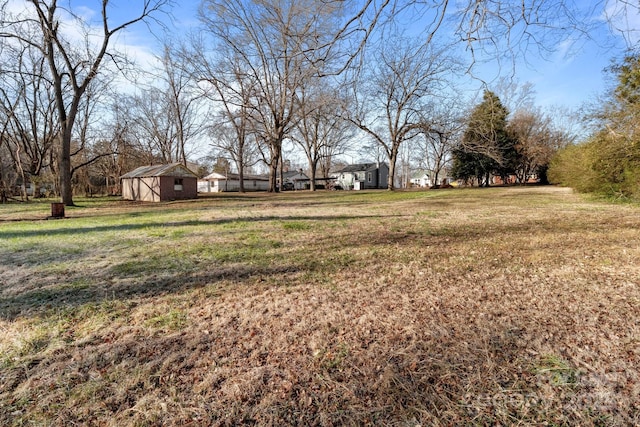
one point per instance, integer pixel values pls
(421, 179)
(363, 176)
(219, 182)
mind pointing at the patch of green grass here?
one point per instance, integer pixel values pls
(249, 248)
(77, 284)
(236, 224)
(428, 214)
(178, 234)
(556, 370)
(295, 225)
(157, 232)
(332, 359)
(173, 320)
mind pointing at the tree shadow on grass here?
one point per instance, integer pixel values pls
(152, 276)
(35, 302)
(55, 282)
(72, 231)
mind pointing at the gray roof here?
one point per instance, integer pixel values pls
(289, 174)
(172, 169)
(360, 167)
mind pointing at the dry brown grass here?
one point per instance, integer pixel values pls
(514, 306)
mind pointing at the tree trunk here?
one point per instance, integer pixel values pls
(23, 187)
(393, 157)
(313, 166)
(66, 190)
(273, 177)
(281, 172)
(240, 166)
(241, 180)
(273, 171)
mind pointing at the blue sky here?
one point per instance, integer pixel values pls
(566, 77)
(559, 79)
(571, 78)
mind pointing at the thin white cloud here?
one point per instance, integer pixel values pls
(134, 43)
(85, 13)
(624, 20)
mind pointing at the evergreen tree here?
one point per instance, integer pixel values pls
(486, 147)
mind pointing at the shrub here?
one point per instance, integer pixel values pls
(607, 164)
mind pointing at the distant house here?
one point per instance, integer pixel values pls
(219, 182)
(295, 180)
(159, 183)
(421, 179)
(513, 179)
(363, 176)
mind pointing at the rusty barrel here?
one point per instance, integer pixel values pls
(57, 210)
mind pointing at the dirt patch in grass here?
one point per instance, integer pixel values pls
(499, 306)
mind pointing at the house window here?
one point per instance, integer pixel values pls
(177, 184)
(369, 177)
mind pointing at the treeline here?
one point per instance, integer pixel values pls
(254, 81)
(499, 148)
(608, 162)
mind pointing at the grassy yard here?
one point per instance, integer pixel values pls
(450, 307)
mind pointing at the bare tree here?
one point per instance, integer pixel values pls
(536, 142)
(274, 45)
(516, 96)
(230, 138)
(279, 45)
(27, 106)
(91, 131)
(167, 112)
(392, 99)
(321, 131)
(499, 32)
(72, 65)
(231, 91)
(119, 148)
(440, 135)
(152, 123)
(182, 101)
